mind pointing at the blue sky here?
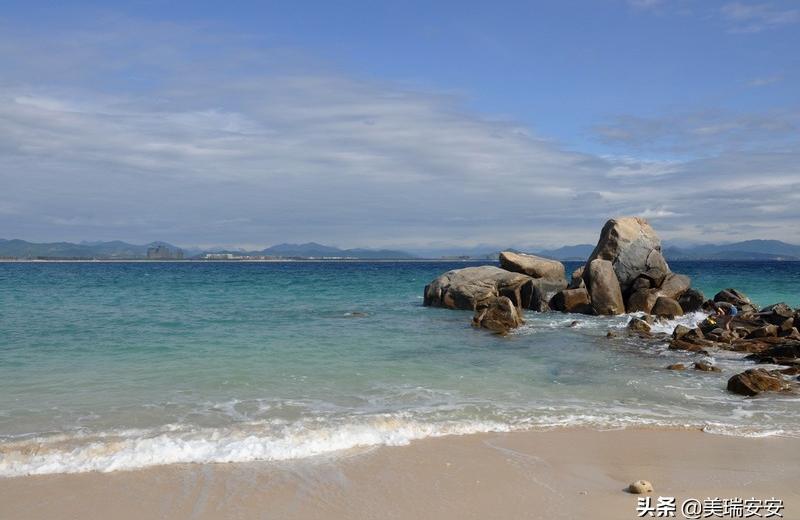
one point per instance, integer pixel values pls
(399, 124)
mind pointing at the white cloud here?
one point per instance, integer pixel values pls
(751, 17)
(240, 147)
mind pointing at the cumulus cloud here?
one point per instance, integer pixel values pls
(125, 134)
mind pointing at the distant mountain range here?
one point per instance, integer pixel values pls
(123, 250)
(747, 250)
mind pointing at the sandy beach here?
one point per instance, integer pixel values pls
(540, 475)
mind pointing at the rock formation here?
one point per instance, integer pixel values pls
(499, 315)
(532, 265)
(632, 247)
(604, 288)
(472, 286)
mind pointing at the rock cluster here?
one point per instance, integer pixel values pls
(625, 273)
(768, 336)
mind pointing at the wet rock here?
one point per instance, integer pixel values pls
(574, 324)
(786, 327)
(471, 287)
(611, 334)
(542, 291)
(572, 300)
(640, 487)
(642, 301)
(705, 367)
(736, 298)
(676, 366)
(532, 265)
(499, 315)
(767, 331)
(639, 325)
(680, 331)
(784, 351)
(776, 314)
(604, 288)
(632, 246)
(757, 380)
(691, 300)
(665, 306)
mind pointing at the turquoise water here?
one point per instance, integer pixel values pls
(108, 366)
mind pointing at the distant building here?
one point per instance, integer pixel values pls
(221, 256)
(163, 252)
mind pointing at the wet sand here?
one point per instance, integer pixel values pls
(567, 474)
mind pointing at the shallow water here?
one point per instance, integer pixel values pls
(120, 365)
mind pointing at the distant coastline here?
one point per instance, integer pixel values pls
(22, 250)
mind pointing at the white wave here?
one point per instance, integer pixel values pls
(109, 452)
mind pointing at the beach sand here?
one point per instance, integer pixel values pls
(566, 474)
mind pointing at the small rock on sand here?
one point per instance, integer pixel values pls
(640, 487)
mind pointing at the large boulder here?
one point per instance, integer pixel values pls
(674, 285)
(532, 265)
(543, 291)
(691, 300)
(642, 300)
(736, 298)
(572, 300)
(471, 287)
(756, 380)
(667, 307)
(633, 248)
(604, 288)
(499, 315)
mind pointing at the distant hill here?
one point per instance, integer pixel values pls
(746, 250)
(312, 249)
(106, 250)
(122, 250)
(567, 253)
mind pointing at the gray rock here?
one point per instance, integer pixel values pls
(543, 291)
(532, 265)
(632, 246)
(691, 300)
(674, 285)
(470, 287)
(604, 288)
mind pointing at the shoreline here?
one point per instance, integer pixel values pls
(561, 473)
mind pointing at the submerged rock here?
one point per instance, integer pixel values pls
(757, 380)
(676, 366)
(639, 325)
(705, 367)
(532, 265)
(499, 315)
(471, 287)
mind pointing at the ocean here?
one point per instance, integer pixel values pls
(107, 366)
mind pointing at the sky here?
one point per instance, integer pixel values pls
(398, 124)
